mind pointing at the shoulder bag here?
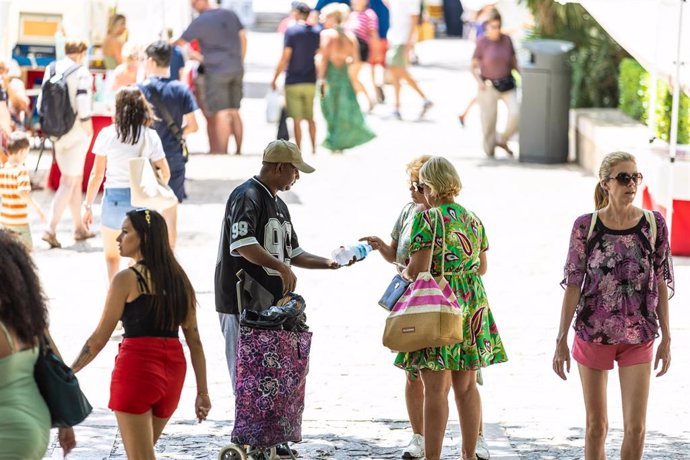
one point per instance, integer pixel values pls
(60, 388)
(505, 84)
(428, 313)
(147, 188)
(174, 128)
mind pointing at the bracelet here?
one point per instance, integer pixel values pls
(86, 205)
(202, 393)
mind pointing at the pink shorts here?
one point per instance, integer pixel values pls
(601, 356)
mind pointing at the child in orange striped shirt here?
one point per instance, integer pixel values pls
(15, 190)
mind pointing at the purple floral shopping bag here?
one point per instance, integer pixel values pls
(272, 368)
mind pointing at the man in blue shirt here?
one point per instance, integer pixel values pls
(223, 43)
(166, 94)
(300, 47)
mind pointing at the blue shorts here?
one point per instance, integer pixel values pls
(117, 202)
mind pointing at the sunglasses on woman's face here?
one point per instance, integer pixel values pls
(418, 187)
(625, 178)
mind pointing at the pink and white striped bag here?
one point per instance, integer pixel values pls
(428, 313)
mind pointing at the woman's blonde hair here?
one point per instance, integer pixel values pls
(130, 52)
(338, 11)
(114, 20)
(441, 177)
(412, 168)
(601, 198)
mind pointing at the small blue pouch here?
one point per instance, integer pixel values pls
(395, 290)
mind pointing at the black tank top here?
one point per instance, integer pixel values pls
(138, 317)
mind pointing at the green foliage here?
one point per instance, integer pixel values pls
(664, 105)
(596, 56)
(632, 89)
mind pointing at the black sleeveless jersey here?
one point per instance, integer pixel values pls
(252, 216)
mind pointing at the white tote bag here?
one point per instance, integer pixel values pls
(274, 104)
(147, 188)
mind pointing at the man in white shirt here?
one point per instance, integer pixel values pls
(404, 15)
(71, 148)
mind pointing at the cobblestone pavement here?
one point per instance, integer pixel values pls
(354, 403)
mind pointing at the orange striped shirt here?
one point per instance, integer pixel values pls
(14, 179)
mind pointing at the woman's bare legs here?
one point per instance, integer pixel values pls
(110, 251)
(414, 399)
(594, 382)
(436, 388)
(634, 394)
(469, 409)
(357, 84)
(137, 435)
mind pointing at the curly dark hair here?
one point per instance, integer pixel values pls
(174, 297)
(22, 302)
(132, 113)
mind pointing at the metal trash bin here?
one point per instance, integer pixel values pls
(545, 102)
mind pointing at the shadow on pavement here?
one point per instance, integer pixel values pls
(571, 445)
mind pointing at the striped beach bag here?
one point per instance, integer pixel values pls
(428, 313)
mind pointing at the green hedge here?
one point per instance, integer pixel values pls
(596, 56)
(633, 89)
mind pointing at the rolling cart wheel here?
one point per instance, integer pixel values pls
(232, 452)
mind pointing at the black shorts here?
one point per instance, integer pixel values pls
(363, 50)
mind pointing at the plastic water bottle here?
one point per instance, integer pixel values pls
(344, 255)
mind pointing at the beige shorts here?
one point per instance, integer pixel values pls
(22, 233)
(70, 151)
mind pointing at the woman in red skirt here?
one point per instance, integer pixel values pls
(153, 299)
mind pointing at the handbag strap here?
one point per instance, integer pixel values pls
(143, 136)
(439, 217)
(170, 123)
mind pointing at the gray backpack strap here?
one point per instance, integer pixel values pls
(595, 216)
(651, 219)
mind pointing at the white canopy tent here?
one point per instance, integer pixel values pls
(656, 34)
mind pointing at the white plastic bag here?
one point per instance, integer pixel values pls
(274, 104)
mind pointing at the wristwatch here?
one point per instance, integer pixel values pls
(86, 206)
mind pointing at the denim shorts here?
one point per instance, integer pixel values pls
(117, 202)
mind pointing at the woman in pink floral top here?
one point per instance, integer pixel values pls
(618, 279)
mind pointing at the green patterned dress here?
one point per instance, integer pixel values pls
(344, 120)
(465, 240)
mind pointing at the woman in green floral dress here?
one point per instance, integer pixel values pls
(465, 262)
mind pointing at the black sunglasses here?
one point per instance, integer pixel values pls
(625, 178)
(418, 186)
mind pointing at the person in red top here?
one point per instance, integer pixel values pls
(15, 190)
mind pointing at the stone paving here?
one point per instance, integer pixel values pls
(354, 403)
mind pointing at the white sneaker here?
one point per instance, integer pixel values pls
(415, 449)
(482, 449)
